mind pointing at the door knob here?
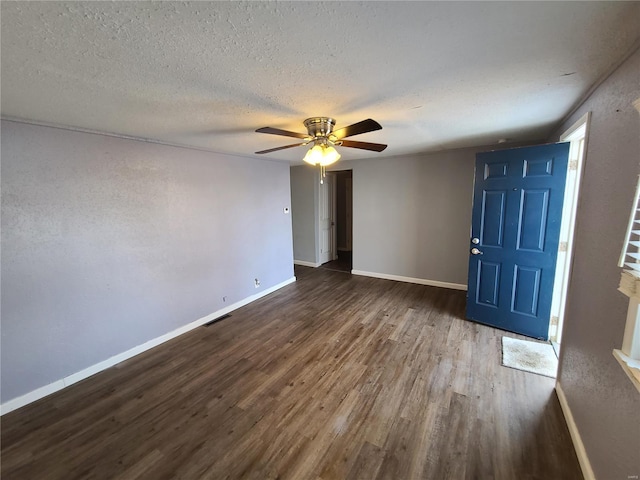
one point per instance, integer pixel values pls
(475, 240)
(475, 251)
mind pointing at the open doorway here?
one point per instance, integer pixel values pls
(343, 231)
(577, 135)
(537, 246)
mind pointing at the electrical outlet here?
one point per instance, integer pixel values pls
(257, 283)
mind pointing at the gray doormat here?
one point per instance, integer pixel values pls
(529, 356)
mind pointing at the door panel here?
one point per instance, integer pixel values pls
(488, 283)
(534, 210)
(517, 208)
(526, 289)
(493, 217)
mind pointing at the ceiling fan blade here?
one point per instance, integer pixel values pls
(280, 148)
(284, 133)
(374, 147)
(364, 126)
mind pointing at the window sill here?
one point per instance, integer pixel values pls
(628, 355)
(630, 367)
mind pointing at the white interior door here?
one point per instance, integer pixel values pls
(327, 218)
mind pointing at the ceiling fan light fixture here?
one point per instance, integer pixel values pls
(320, 131)
(321, 154)
(314, 155)
(329, 156)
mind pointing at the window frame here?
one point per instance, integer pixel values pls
(628, 355)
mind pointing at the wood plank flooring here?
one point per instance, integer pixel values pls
(332, 377)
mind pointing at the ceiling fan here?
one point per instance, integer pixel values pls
(325, 138)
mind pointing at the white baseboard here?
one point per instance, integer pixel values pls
(585, 465)
(41, 392)
(420, 281)
(306, 264)
(32, 396)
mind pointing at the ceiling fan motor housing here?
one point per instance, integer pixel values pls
(319, 126)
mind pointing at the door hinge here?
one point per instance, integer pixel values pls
(563, 247)
(554, 321)
(573, 165)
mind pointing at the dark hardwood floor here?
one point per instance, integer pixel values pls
(332, 377)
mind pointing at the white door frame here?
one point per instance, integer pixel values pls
(349, 212)
(327, 219)
(334, 214)
(577, 134)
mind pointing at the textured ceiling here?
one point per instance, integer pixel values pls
(436, 75)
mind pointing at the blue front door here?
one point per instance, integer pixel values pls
(515, 229)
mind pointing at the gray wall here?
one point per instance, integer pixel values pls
(604, 403)
(412, 214)
(304, 212)
(108, 243)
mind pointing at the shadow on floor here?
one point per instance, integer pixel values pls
(344, 262)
